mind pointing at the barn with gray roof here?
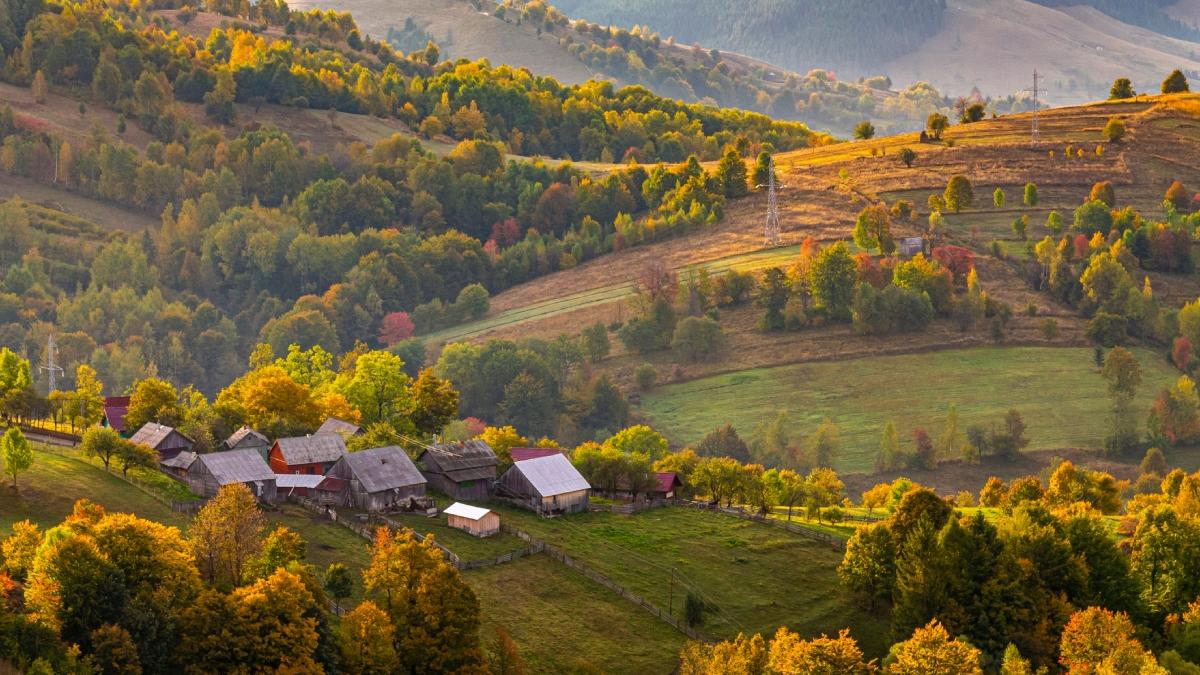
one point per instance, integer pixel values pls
(460, 470)
(210, 472)
(165, 440)
(549, 485)
(247, 439)
(379, 478)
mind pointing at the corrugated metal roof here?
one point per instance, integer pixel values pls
(386, 468)
(297, 480)
(115, 408)
(236, 466)
(667, 480)
(315, 449)
(552, 475)
(333, 425)
(152, 434)
(450, 457)
(181, 461)
(240, 435)
(466, 511)
(522, 454)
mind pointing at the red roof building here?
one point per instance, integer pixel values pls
(115, 408)
(668, 483)
(522, 454)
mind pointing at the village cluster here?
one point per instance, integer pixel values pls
(318, 468)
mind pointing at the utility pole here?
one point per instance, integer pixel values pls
(51, 367)
(771, 231)
(1035, 132)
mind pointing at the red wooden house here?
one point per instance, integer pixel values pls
(311, 455)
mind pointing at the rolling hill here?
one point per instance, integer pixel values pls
(992, 44)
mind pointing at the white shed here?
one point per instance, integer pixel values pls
(478, 521)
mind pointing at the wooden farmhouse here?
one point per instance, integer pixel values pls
(479, 522)
(313, 455)
(179, 464)
(342, 428)
(549, 485)
(210, 472)
(460, 470)
(115, 408)
(247, 439)
(163, 439)
(378, 479)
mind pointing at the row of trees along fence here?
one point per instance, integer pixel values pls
(830, 540)
(561, 556)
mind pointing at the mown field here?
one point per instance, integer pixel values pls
(1057, 390)
(754, 576)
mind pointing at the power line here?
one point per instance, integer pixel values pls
(51, 367)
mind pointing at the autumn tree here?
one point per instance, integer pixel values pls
(731, 172)
(864, 131)
(1123, 374)
(595, 342)
(132, 455)
(434, 402)
(87, 401)
(434, 613)
(697, 338)
(101, 443)
(1121, 88)
(503, 656)
(1030, 197)
(873, 229)
(936, 124)
(153, 400)
(1114, 129)
(1176, 83)
(834, 275)
(219, 101)
(958, 194)
(365, 641)
(227, 534)
(1098, 640)
(339, 583)
(907, 157)
(824, 655)
(16, 452)
(930, 651)
(38, 87)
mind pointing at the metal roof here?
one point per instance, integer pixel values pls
(472, 460)
(241, 434)
(333, 425)
(181, 461)
(315, 449)
(551, 475)
(667, 480)
(522, 454)
(466, 511)
(236, 466)
(386, 468)
(297, 480)
(152, 434)
(115, 408)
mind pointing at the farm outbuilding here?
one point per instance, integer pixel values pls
(210, 472)
(378, 479)
(460, 470)
(342, 428)
(313, 455)
(323, 489)
(522, 454)
(163, 439)
(247, 439)
(476, 520)
(549, 485)
(179, 464)
(115, 408)
(668, 485)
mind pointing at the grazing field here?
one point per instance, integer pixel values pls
(564, 622)
(755, 576)
(1067, 408)
(47, 492)
(465, 546)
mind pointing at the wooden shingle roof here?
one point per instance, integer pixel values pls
(236, 466)
(471, 460)
(315, 449)
(385, 468)
(241, 434)
(152, 434)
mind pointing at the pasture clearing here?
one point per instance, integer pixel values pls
(1068, 409)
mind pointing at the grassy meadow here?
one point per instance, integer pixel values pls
(755, 576)
(1068, 407)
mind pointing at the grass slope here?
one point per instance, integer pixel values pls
(757, 576)
(47, 492)
(564, 622)
(1067, 408)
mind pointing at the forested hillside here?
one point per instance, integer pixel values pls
(1149, 14)
(845, 34)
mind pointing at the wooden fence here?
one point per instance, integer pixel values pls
(825, 538)
(561, 556)
(366, 529)
(632, 507)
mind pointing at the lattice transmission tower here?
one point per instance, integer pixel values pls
(1035, 131)
(771, 230)
(52, 368)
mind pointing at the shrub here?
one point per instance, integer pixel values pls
(1050, 329)
(1107, 329)
(697, 338)
(645, 376)
(1114, 130)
